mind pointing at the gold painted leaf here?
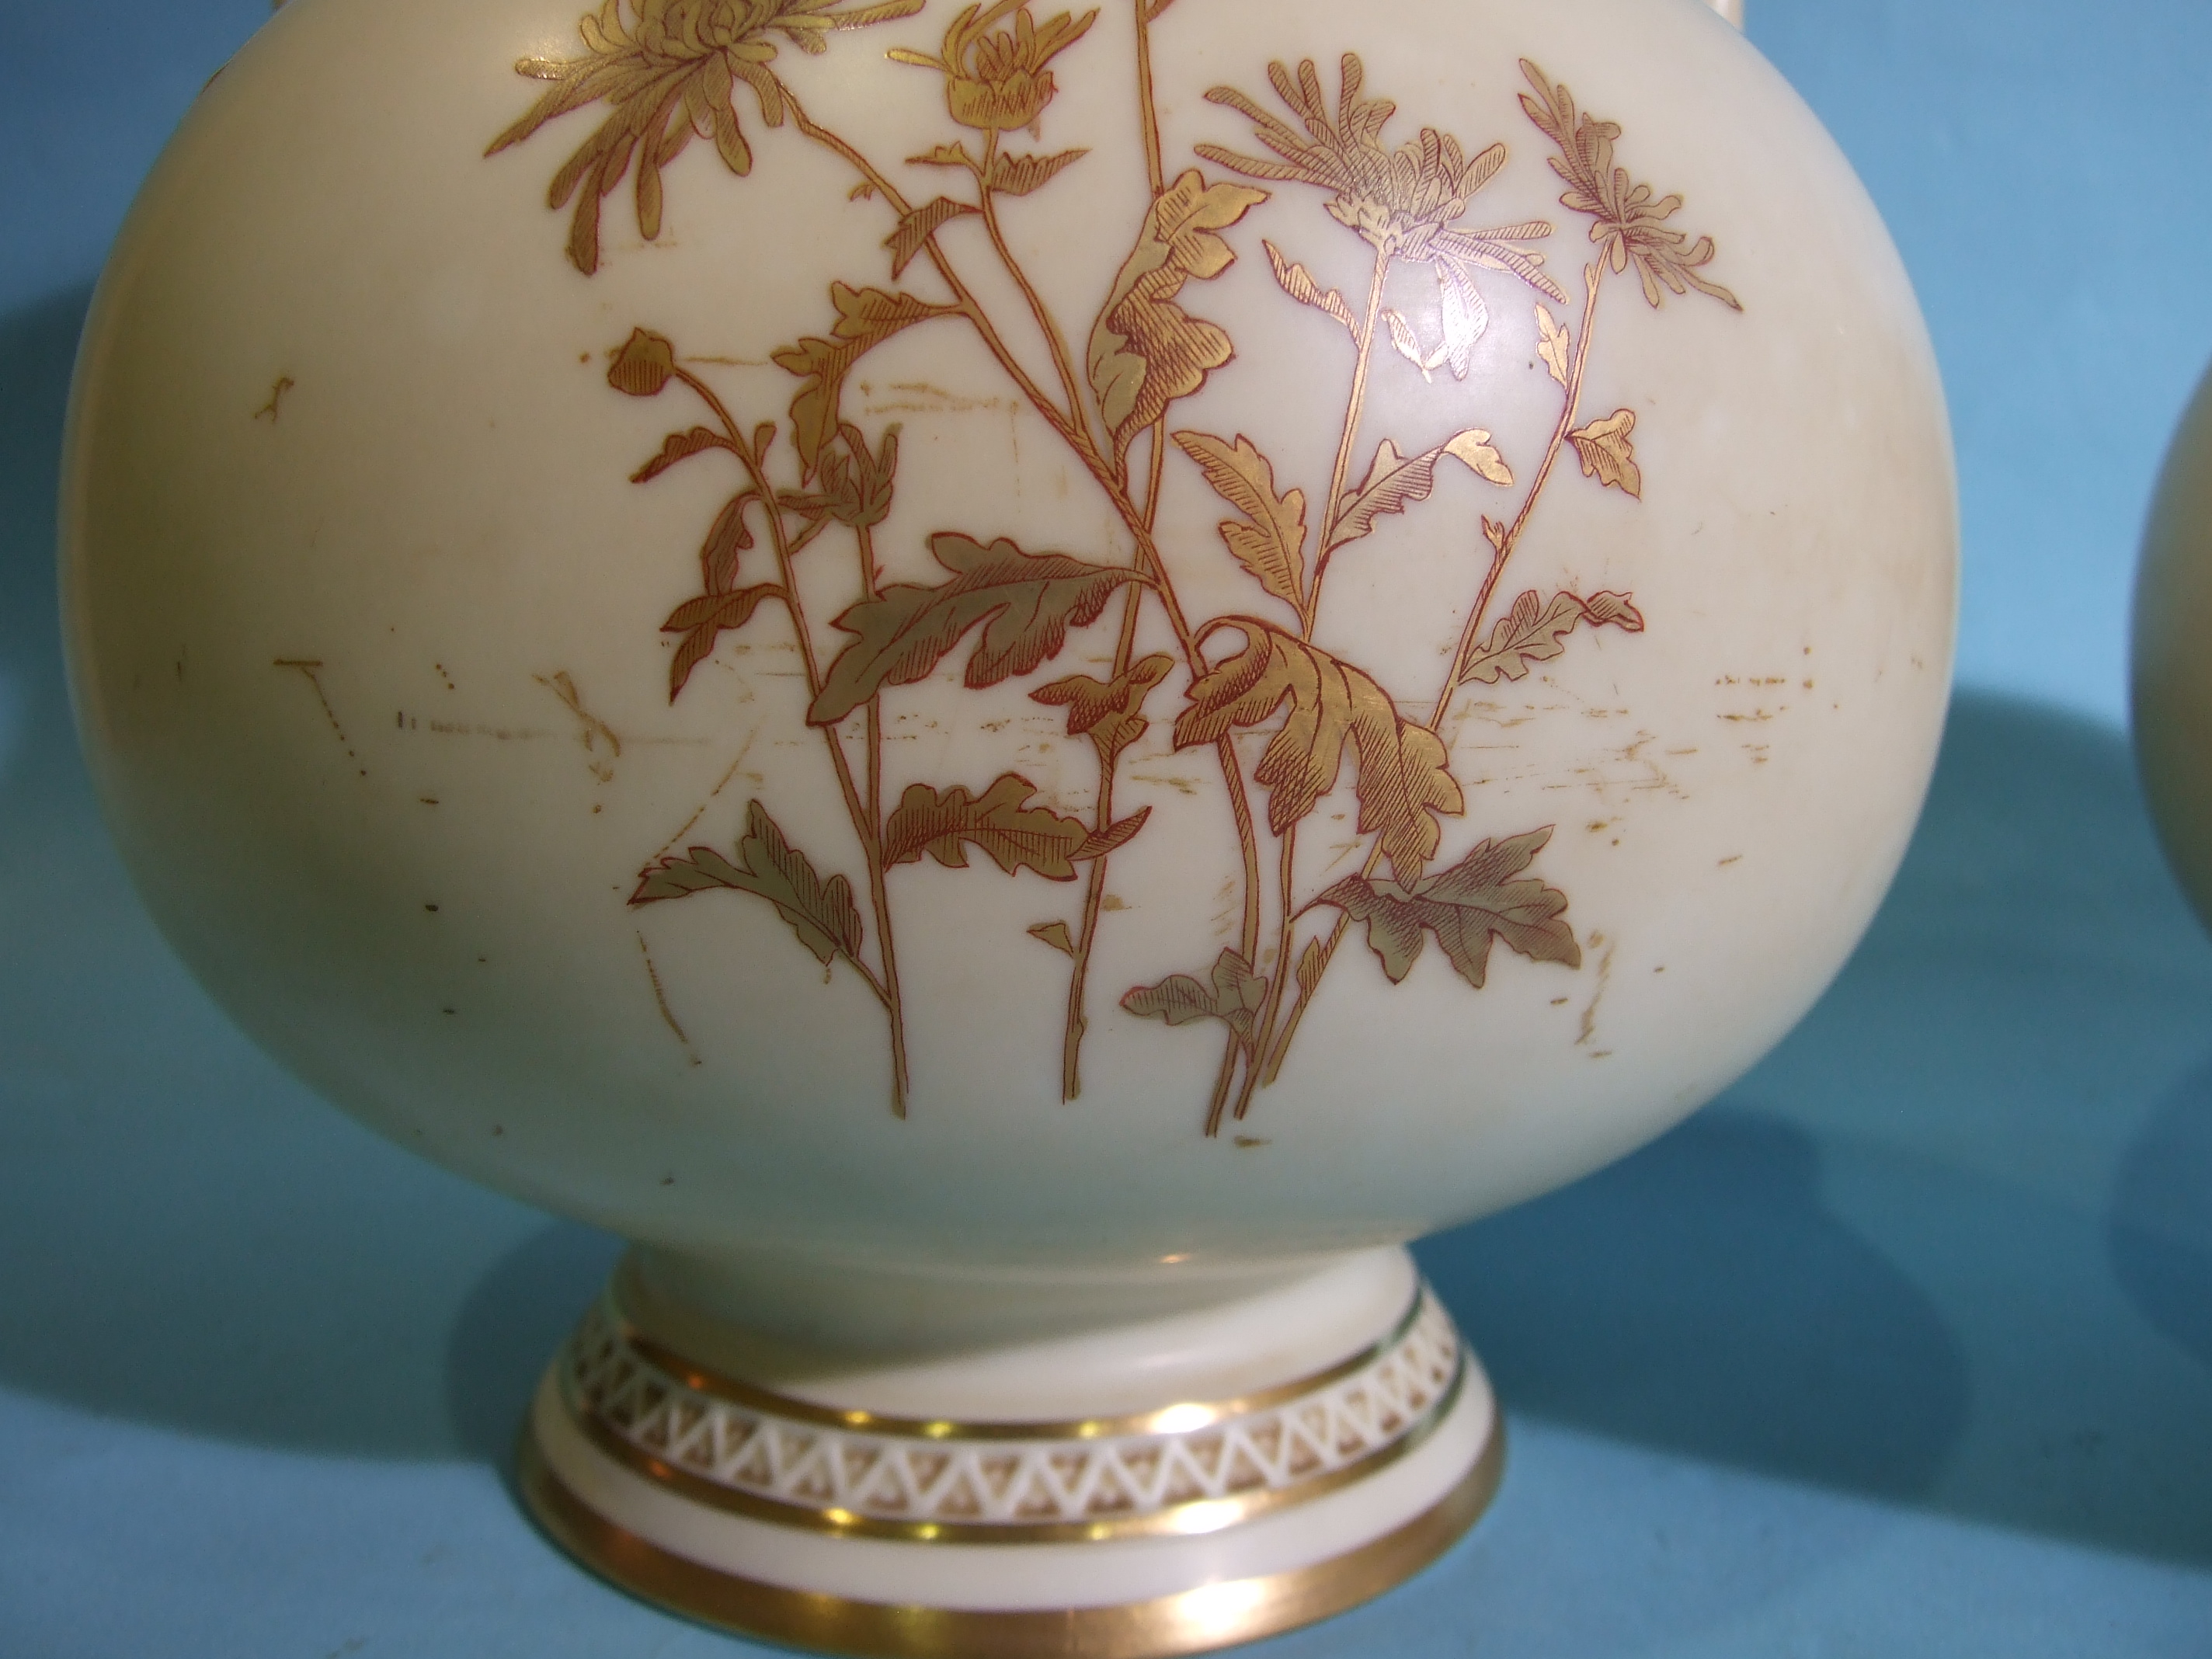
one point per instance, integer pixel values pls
(1313, 963)
(1233, 994)
(1025, 603)
(1465, 907)
(856, 485)
(915, 230)
(1271, 542)
(946, 155)
(729, 537)
(1553, 343)
(1472, 449)
(1003, 824)
(1464, 316)
(1145, 350)
(1108, 712)
(1023, 175)
(1055, 934)
(1297, 282)
(679, 446)
(1409, 345)
(822, 913)
(703, 621)
(866, 317)
(1605, 452)
(1460, 311)
(1396, 482)
(1402, 777)
(1534, 632)
(643, 365)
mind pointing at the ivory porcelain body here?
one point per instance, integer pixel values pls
(1016, 675)
(367, 618)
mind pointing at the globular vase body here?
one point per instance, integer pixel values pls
(1020, 688)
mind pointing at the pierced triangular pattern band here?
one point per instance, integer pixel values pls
(1185, 1470)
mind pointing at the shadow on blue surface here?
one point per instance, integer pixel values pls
(36, 348)
(1952, 1242)
(1700, 1296)
(192, 1242)
(519, 1313)
(2159, 1227)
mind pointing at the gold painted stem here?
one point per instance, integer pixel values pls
(1353, 409)
(1147, 105)
(1285, 870)
(1593, 279)
(1247, 841)
(1125, 650)
(1094, 893)
(1261, 1045)
(1267, 1052)
(1275, 1062)
(1061, 362)
(964, 301)
(901, 1077)
(1078, 439)
(863, 825)
(1240, 803)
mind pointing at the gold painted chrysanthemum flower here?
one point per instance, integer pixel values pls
(1628, 219)
(995, 79)
(1405, 202)
(668, 76)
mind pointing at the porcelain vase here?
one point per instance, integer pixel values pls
(1020, 686)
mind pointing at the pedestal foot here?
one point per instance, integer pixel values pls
(806, 1518)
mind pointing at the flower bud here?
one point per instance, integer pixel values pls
(643, 365)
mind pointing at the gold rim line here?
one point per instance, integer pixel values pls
(1191, 1519)
(1178, 1419)
(1195, 1621)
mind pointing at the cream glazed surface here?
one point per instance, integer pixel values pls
(549, 820)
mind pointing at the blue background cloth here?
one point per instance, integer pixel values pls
(1903, 1347)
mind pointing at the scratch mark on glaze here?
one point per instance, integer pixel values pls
(921, 397)
(503, 734)
(700, 811)
(1604, 979)
(1184, 786)
(595, 730)
(268, 411)
(310, 668)
(661, 999)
